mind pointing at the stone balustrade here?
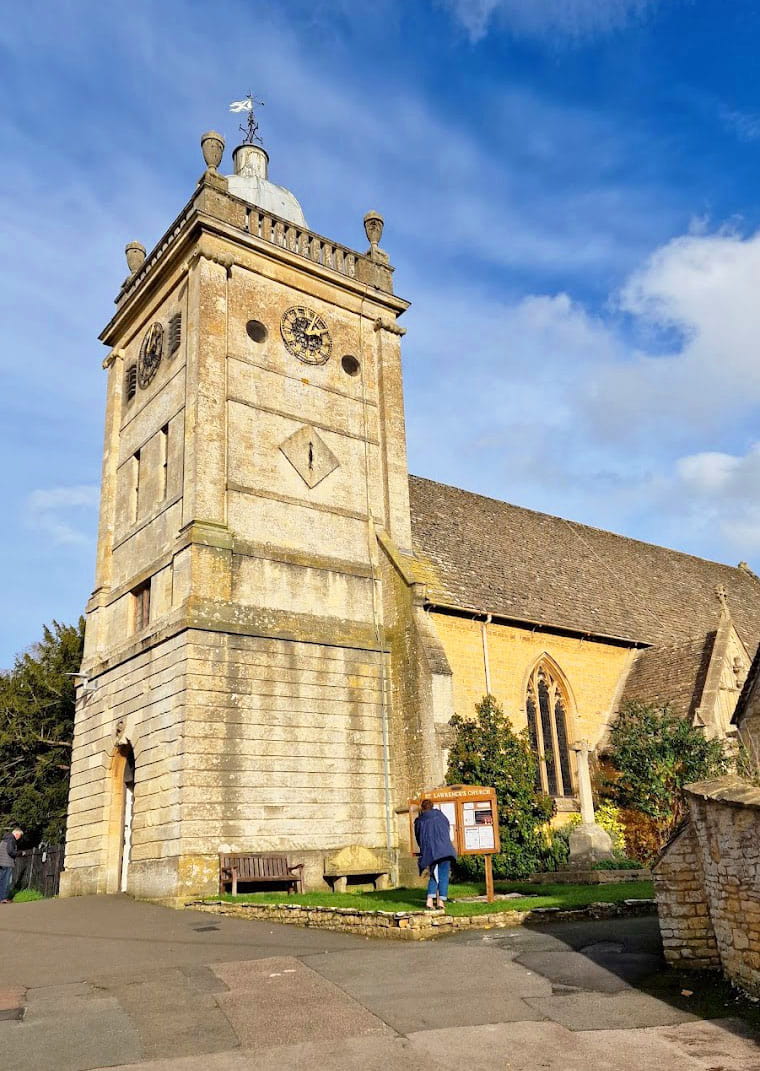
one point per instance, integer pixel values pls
(304, 242)
(372, 268)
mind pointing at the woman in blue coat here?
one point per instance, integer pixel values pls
(431, 828)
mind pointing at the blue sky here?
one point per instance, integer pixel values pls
(571, 197)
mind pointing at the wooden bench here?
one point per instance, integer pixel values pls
(258, 870)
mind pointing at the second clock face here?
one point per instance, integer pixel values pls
(151, 352)
(305, 334)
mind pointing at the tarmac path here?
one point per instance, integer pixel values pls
(106, 982)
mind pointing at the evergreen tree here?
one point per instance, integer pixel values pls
(36, 729)
(487, 751)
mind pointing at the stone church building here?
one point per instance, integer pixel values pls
(283, 620)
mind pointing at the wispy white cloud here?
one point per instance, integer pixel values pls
(566, 409)
(53, 511)
(499, 222)
(746, 125)
(573, 19)
(703, 286)
(722, 491)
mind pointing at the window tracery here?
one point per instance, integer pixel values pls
(547, 706)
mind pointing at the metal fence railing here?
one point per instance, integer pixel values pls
(39, 868)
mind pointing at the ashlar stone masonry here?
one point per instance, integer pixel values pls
(708, 883)
(284, 621)
(249, 606)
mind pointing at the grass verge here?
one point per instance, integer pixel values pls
(405, 899)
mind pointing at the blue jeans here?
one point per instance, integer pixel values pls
(439, 879)
(6, 880)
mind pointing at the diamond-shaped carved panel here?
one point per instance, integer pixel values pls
(309, 455)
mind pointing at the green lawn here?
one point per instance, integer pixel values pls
(404, 899)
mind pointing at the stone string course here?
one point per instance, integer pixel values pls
(707, 883)
(415, 926)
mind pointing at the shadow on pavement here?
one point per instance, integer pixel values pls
(623, 955)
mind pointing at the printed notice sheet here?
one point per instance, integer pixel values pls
(450, 810)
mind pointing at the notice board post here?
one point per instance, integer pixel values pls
(473, 817)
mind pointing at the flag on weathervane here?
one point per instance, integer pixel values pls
(251, 128)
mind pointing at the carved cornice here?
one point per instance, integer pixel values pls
(174, 253)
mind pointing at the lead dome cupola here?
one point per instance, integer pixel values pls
(250, 182)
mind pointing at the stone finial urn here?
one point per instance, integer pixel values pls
(373, 228)
(212, 145)
(135, 253)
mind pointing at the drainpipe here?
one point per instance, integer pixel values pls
(484, 638)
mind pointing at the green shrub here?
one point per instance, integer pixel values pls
(654, 753)
(487, 751)
(608, 817)
(23, 896)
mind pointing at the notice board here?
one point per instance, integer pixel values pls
(472, 813)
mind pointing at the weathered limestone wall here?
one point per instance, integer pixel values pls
(688, 937)
(594, 670)
(241, 744)
(282, 751)
(253, 695)
(419, 694)
(141, 700)
(726, 816)
(721, 850)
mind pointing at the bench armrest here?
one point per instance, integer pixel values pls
(296, 866)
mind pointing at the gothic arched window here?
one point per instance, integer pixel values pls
(546, 705)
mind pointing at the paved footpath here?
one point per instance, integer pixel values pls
(103, 982)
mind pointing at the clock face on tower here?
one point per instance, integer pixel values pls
(151, 351)
(305, 334)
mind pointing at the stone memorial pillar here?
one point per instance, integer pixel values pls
(589, 843)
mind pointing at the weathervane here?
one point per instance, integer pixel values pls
(251, 129)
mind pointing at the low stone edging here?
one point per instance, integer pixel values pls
(417, 926)
(589, 877)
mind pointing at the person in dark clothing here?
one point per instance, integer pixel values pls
(8, 853)
(431, 828)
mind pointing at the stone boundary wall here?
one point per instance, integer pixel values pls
(726, 817)
(416, 926)
(707, 882)
(688, 938)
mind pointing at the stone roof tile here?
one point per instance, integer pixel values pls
(673, 673)
(483, 554)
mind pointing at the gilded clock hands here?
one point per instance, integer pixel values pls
(306, 335)
(311, 330)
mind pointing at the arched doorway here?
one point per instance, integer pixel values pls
(121, 813)
(127, 811)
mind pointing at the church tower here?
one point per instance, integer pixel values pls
(253, 676)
